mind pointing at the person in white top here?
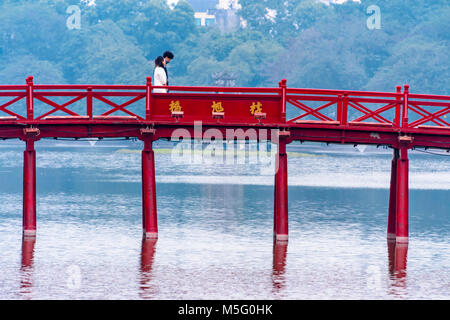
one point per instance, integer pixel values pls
(159, 75)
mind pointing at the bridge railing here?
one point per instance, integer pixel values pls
(218, 105)
(345, 108)
(97, 102)
(428, 112)
(12, 105)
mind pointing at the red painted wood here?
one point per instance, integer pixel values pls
(149, 211)
(29, 189)
(402, 197)
(337, 105)
(392, 218)
(196, 107)
(281, 194)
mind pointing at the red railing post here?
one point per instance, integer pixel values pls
(405, 107)
(392, 217)
(398, 98)
(29, 189)
(339, 109)
(148, 97)
(344, 113)
(283, 86)
(281, 193)
(149, 213)
(30, 94)
(89, 103)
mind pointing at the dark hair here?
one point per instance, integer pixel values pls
(159, 62)
(168, 54)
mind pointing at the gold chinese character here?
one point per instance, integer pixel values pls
(217, 107)
(256, 107)
(175, 106)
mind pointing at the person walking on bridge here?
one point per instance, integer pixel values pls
(168, 56)
(159, 75)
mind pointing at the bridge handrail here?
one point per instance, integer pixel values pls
(292, 91)
(416, 103)
(419, 105)
(219, 89)
(428, 96)
(85, 87)
(13, 87)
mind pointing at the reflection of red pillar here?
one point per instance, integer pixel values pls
(28, 251)
(281, 194)
(148, 250)
(27, 262)
(275, 202)
(397, 259)
(402, 196)
(391, 232)
(279, 256)
(147, 253)
(149, 216)
(279, 263)
(29, 189)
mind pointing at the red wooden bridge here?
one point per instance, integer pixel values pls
(399, 119)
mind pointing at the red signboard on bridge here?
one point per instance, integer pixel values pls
(213, 108)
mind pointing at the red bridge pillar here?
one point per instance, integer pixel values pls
(281, 193)
(149, 216)
(402, 203)
(29, 189)
(392, 224)
(399, 195)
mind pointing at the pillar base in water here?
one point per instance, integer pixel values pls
(402, 239)
(281, 237)
(29, 233)
(392, 236)
(150, 235)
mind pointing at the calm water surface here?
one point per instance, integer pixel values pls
(215, 228)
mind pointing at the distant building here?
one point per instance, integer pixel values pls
(215, 13)
(227, 20)
(204, 19)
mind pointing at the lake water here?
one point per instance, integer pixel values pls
(216, 224)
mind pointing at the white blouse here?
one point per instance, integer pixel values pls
(160, 79)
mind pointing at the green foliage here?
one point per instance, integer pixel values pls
(307, 42)
(419, 62)
(281, 20)
(16, 70)
(102, 53)
(31, 29)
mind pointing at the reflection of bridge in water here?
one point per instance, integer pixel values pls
(397, 119)
(396, 254)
